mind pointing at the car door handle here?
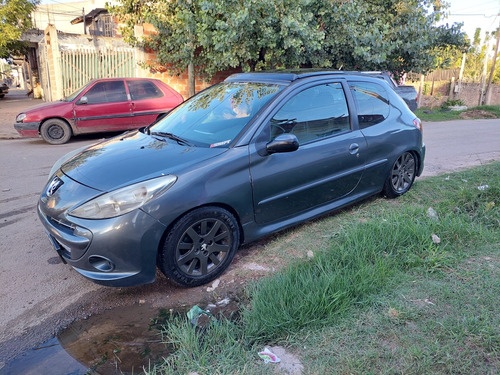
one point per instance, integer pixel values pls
(354, 148)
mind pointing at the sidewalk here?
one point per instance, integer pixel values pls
(10, 106)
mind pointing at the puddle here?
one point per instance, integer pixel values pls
(48, 358)
(117, 341)
(123, 340)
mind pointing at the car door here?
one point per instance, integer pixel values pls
(327, 165)
(104, 107)
(147, 101)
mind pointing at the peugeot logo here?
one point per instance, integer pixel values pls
(55, 184)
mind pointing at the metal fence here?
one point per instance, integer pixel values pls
(81, 65)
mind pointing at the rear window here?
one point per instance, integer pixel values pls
(140, 90)
(372, 102)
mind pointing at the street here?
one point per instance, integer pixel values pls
(39, 295)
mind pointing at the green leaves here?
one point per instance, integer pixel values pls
(394, 35)
(14, 19)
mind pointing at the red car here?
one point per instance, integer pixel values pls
(103, 105)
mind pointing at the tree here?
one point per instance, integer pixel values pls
(14, 19)
(394, 35)
(218, 35)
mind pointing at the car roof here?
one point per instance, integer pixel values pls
(123, 78)
(288, 76)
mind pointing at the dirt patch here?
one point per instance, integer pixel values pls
(476, 114)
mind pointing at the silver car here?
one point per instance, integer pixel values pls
(253, 155)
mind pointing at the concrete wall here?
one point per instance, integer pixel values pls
(469, 94)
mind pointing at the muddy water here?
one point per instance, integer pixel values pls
(119, 341)
(123, 340)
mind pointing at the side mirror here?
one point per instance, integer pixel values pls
(283, 143)
(83, 100)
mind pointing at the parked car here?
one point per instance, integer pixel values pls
(253, 155)
(103, 105)
(4, 90)
(408, 93)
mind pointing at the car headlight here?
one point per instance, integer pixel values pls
(20, 117)
(124, 200)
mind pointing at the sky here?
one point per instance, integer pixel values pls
(474, 14)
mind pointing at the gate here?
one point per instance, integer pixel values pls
(81, 65)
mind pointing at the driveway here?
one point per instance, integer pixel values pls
(39, 295)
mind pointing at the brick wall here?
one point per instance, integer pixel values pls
(181, 84)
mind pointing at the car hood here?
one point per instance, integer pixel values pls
(130, 158)
(41, 107)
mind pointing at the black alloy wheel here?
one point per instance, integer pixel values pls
(401, 177)
(200, 246)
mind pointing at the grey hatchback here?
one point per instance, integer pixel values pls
(250, 156)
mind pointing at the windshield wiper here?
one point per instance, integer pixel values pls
(172, 136)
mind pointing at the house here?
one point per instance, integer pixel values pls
(75, 42)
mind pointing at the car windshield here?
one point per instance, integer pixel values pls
(216, 116)
(72, 97)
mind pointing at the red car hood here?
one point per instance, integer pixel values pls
(45, 106)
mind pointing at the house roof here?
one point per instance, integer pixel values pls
(89, 16)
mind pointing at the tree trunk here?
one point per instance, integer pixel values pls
(191, 79)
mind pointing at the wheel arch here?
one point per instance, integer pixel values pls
(70, 123)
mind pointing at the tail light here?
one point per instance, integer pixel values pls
(418, 124)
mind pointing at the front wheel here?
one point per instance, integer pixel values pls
(401, 176)
(55, 131)
(200, 246)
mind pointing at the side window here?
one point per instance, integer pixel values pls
(107, 92)
(143, 90)
(372, 103)
(313, 114)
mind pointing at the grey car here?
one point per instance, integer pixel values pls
(250, 156)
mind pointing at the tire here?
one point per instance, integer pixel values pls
(55, 131)
(200, 246)
(401, 176)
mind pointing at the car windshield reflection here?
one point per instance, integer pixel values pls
(216, 116)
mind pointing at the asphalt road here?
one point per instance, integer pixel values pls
(39, 295)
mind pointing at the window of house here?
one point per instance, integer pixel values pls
(372, 103)
(313, 114)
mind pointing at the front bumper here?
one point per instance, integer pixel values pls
(118, 252)
(27, 129)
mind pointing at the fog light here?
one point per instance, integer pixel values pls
(101, 263)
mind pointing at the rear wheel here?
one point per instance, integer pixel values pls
(200, 246)
(401, 176)
(55, 131)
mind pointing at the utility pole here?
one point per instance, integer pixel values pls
(83, 18)
(492, 70)
(461, 74)
(483, 76)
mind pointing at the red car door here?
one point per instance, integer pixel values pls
(104, 107)
(150, 99)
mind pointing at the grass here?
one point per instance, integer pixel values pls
(380, 294)
(444, 114)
